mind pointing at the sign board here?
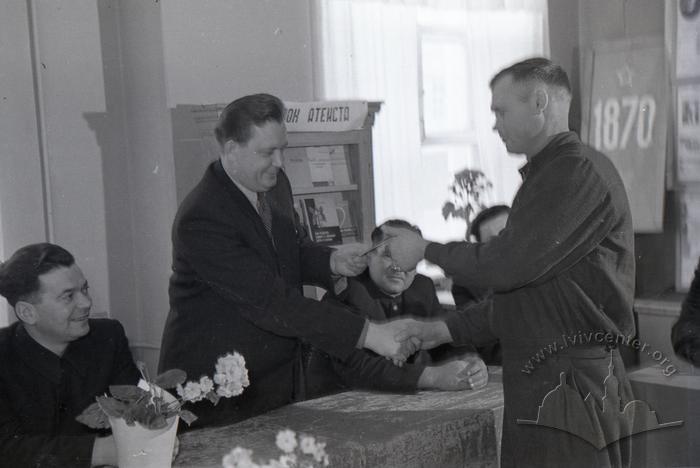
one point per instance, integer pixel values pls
(325, 116)
(688, 39)
(688, 133)
(625, 116)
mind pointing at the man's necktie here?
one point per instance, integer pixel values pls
(265, 213)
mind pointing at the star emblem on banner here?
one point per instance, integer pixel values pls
(625, 75)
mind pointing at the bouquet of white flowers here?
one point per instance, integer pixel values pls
(305, 452)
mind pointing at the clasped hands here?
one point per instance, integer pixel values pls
(398, 339)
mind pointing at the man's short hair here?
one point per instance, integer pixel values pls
(535, 69)
(19, 276)
(485, 215)
(378, 235)
(237, 119)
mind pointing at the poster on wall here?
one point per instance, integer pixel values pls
(625, 96)
(688, 133)
(688, 39)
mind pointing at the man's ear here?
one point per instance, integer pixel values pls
(541, 99)
(26, 312)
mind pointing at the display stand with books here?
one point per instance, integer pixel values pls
(331, 177)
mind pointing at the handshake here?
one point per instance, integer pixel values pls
(399, 339)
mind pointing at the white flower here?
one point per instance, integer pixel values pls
(320, 453)
(191, 392)
(288, 460)
(231, 375)
(238, 458)
(206, 384)
(286, 440)
(276, 464)
(307, 444)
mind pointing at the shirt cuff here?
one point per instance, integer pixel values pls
(363, 336)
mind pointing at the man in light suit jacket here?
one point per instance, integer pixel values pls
(239, 260)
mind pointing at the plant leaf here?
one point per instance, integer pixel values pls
(126, 392)
(171, 378)
(188, 417)
(111, 406)
(213, 397)
(93, 417)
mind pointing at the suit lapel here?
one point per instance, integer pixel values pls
(245, 207)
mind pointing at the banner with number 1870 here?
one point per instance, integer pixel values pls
(625, 113)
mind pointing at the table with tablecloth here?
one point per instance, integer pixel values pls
(370, 429)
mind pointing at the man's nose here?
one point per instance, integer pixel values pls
(84, 299)
(277, 158)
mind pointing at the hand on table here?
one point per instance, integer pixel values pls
(466, 373)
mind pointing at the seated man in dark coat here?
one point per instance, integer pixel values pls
(685, 334)
(381, 293)
(54, 361)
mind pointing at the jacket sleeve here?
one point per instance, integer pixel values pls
(685, 334)
(224, 262)
(470, 325)
(18, 449)
(555, 224)
(365, 369)
(124, 370)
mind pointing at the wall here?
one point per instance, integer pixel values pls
(218, 50)
(21, 196)
(575, 25)
(106, 74)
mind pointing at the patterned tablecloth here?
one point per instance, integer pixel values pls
(369, 429)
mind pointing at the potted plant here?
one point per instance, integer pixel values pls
(467, 192)
(144, 417)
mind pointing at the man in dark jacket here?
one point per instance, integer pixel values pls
(563, 265)
(685, 334)
(385, 292)
(239, 261)
(53, 363)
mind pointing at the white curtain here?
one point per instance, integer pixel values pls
(370, 50)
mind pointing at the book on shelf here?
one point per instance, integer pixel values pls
(346, 221)
(296, 166)
(328, 165)
(327, 218)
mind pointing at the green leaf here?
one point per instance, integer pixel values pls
(93, 417)
(188, 417)
(156, 421)
(213, 397)
(171, 378)
(127, 392)
(111, 406)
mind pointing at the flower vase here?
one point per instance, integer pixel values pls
(140, 447)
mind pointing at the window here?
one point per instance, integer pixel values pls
(430, 62)
(444, 88)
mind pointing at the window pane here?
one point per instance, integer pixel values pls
(445, 86)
